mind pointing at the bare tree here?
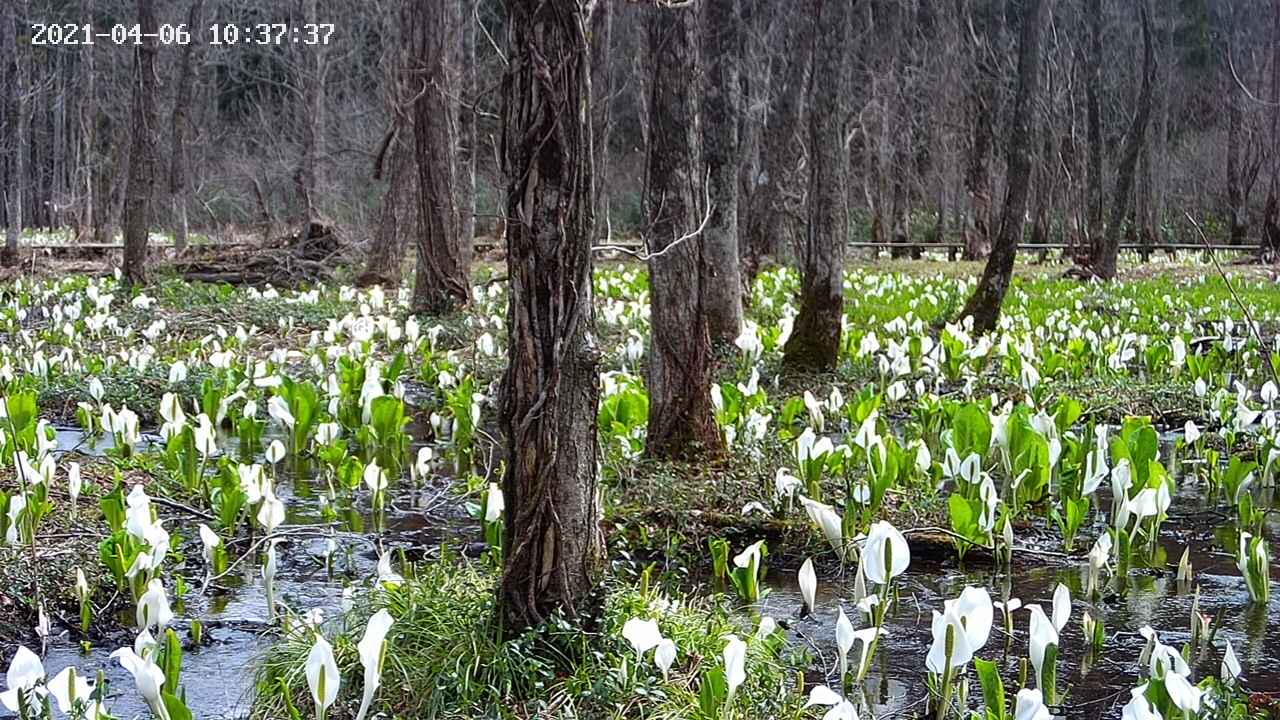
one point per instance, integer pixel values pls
(1271, 213)
(18, 140)
(142, 171)
(984, 305)
(444, 259)
(1107, 248)
(781, 148)
(1093, 98)
(681, 420)
(722, 40)
(554, 550)
(815, 337)
(181, 107)
(982, 101)
(313, 85)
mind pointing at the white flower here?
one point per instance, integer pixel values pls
(25, 673)
(322, 675)
(643, 635)
(370, 649)
(494, 504)
(153, 607)
(808, 584)
(735, 664)
(885, 554)
(664, 655)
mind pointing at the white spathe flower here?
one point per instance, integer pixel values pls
(827, 520)
(74, 482)
(808, 580)
(494, 504)
(643, 635)
(1043, 634)
(275, 452)
(279, 411)
(1030, 706)
(885, 554)
(839, 708)
(844, 641)
(271, 512)
(386, 575)
(1183, 694)
(1230, 664)
(735, 664)
(69, 687)
(1061, 606)
(321, 670)
(153, 607)
(371, 652)
(664, 656)
(148, 678)
(25, 673)
(1139, 707)
(374, 477)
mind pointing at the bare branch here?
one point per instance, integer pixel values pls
(645, 256)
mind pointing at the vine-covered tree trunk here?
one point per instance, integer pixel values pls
(444, 259)
(552, 540)
(142, 171)
(721, 25)
(181, 106)
(780, 148)
(984, 305)
(602, 111)
(1103, 262)
(815, 337)
(681, 420)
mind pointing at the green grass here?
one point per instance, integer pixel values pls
(446, 658)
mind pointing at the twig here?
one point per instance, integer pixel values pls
(1248, 316)
(644, 256)
(175, 505)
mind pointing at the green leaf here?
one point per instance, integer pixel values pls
(992, 688)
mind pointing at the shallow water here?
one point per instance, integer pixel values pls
(218, 676)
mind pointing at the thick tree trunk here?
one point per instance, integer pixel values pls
(781, 149)
(984, 305)
(142, 171)
(554, 549)
(1103, 262)
(681, 420)
(18, 145)
(721, 23)
(386, 254)
(444, 260)
(1093, 100)
(181, 105)
(815, 337)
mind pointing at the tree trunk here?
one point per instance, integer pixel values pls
(444, 260)
(181, 104)
(815, 337)
(554, 546)
(142, 171)
(1237, 210)
(1104, 260)
(1093, 101)
(781, 152)
(387, 252)
(464, 70)
(982, 101)
(19, 141)
(984, 305)
(1271, 213)
(681, 420)
(602, 112)
(308, 175)
(721, 23)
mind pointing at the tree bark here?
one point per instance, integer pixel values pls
(181, 106)
(142, 172)
(464, 70)
(721, 25)
(815, 337)
(982, 101)
(781, 151)
(984, 305)
(1093, 102)
(19, 141)
(1237, 208)
(387, 252)
(444, 260)
(1104, 260)
(681, 420)
(602, 111)
(1271, 212)
(308, 175)
(554, 546)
